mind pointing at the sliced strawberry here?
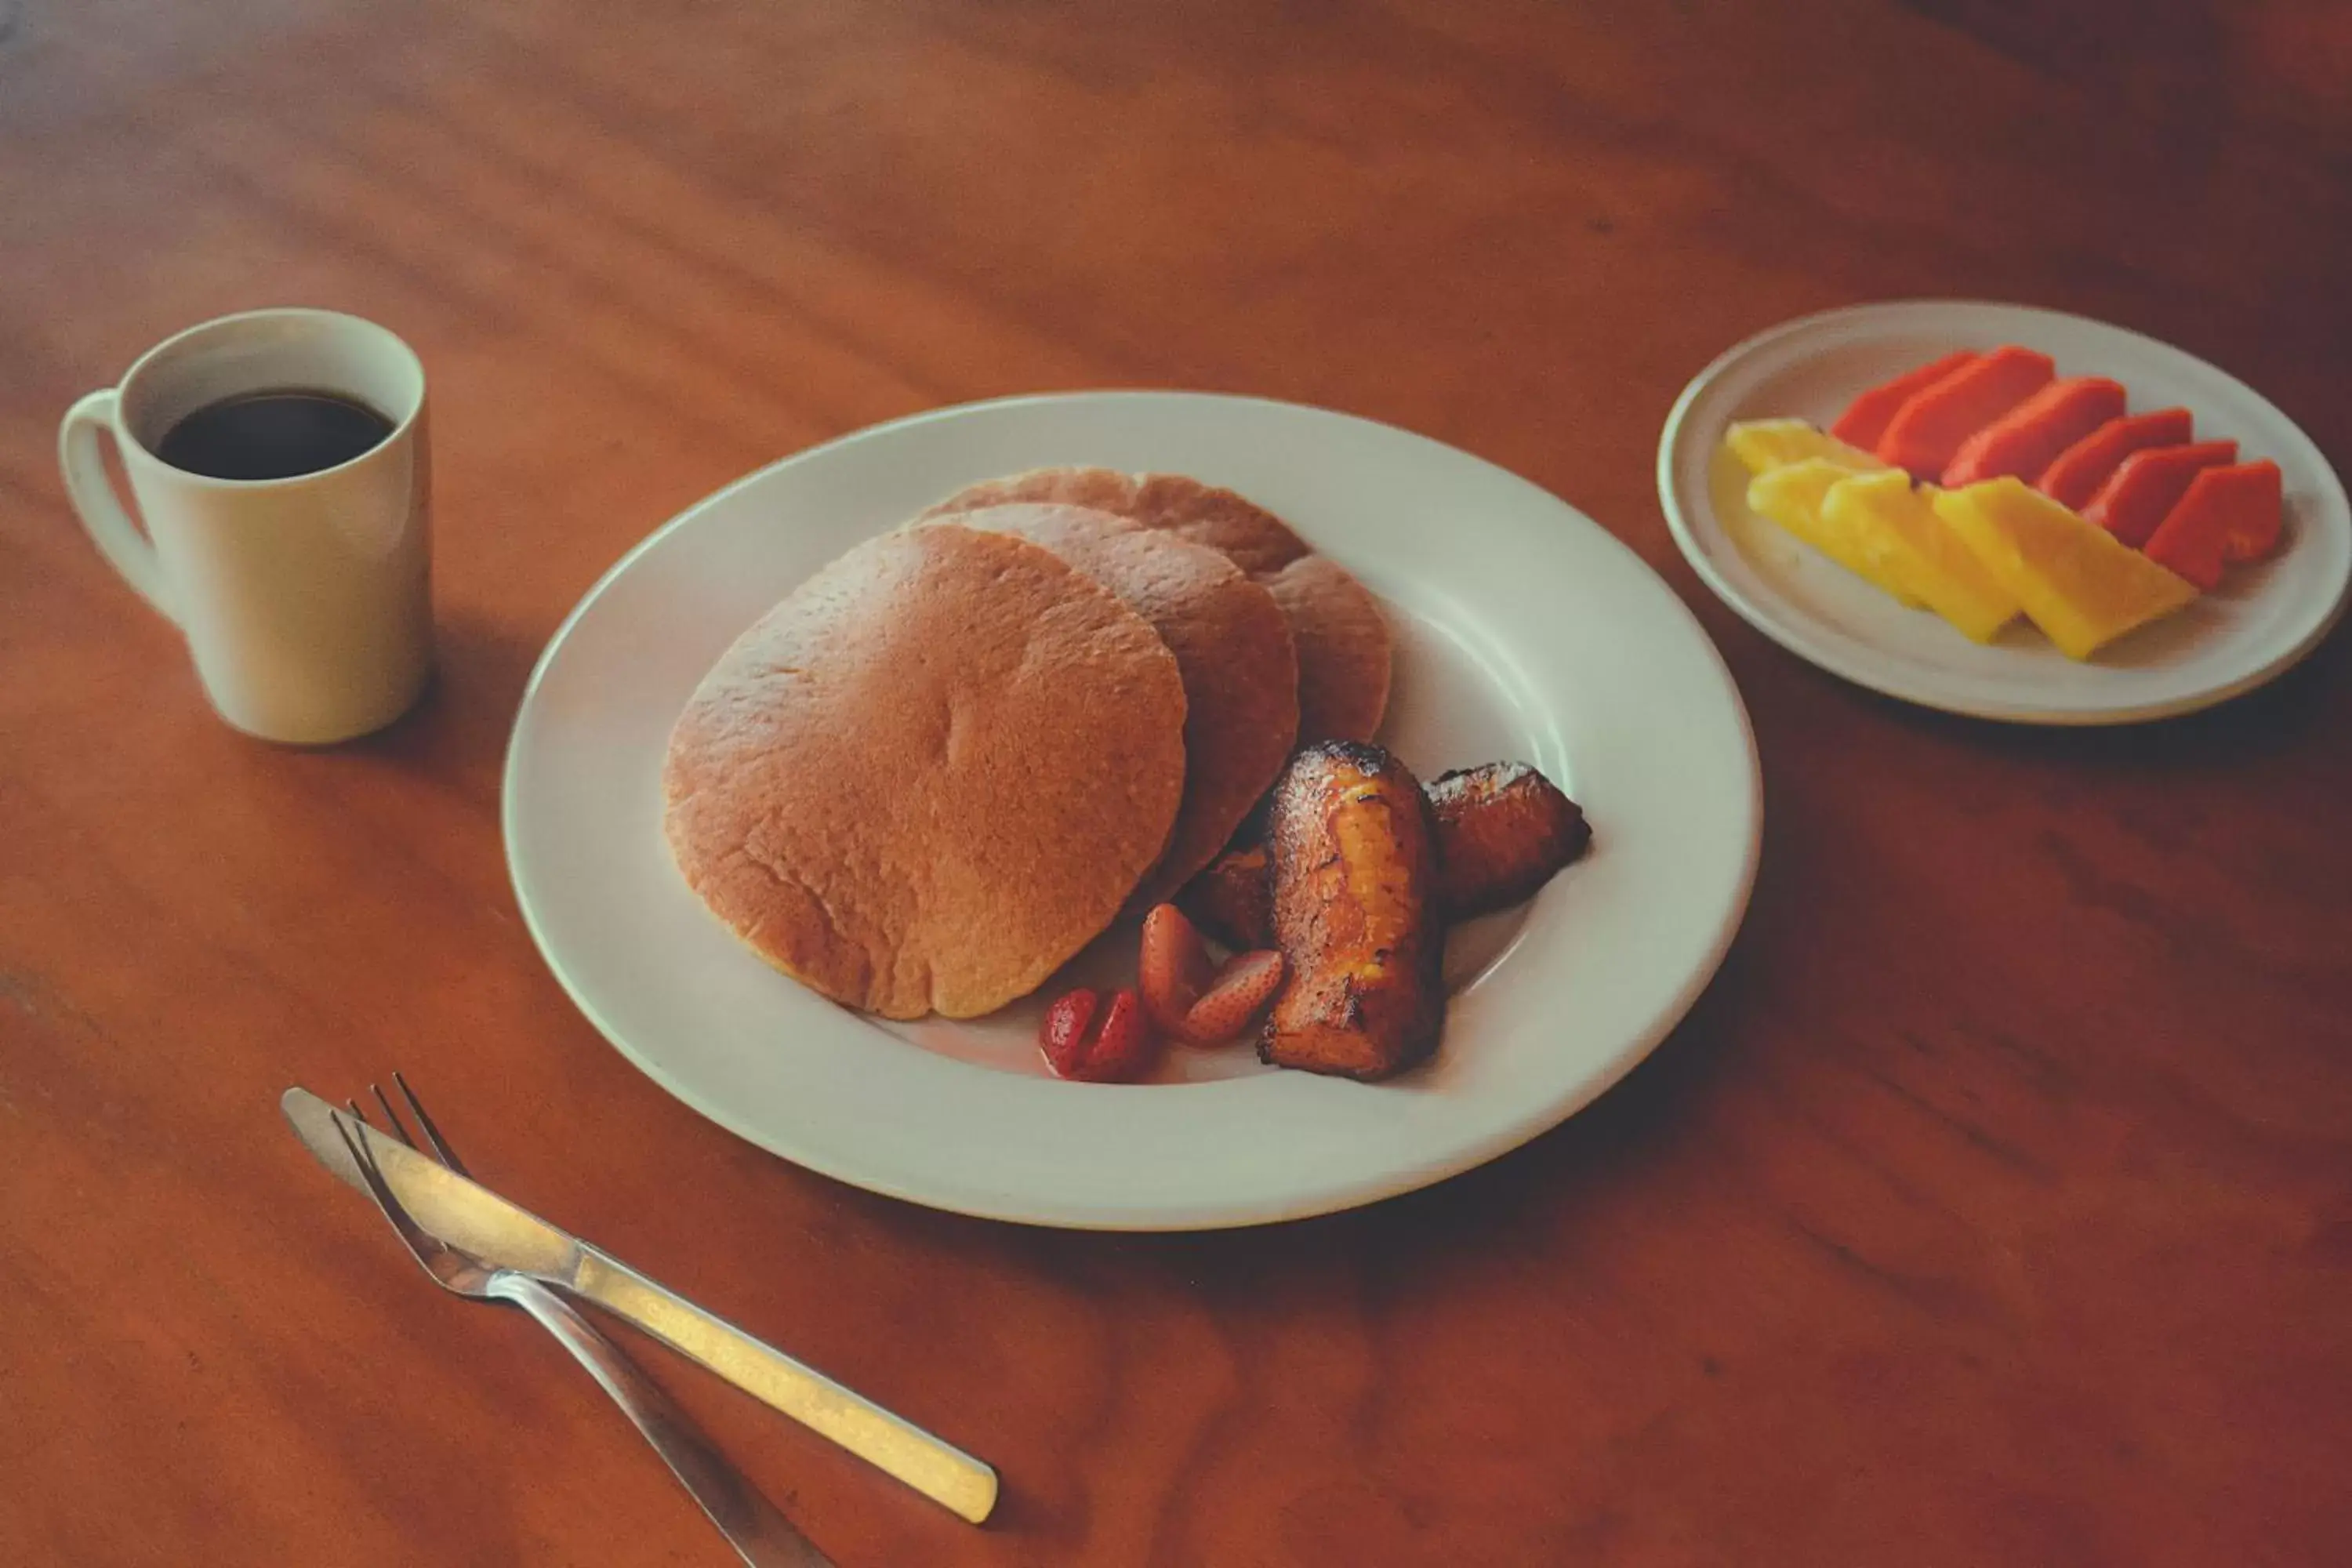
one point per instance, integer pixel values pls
(1063, 1035)
(1121, 1049)
(1246, 984)
(1173, 968)
(1124, 1048)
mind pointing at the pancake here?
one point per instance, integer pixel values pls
(931, 774)
(1233, 649)
(1252, 536)
(1344, 648)
(1341, 637)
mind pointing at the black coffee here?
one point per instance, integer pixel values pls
(272, 435)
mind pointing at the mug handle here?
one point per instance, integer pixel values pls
(131, 552)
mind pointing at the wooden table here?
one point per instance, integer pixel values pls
(1994, 1205)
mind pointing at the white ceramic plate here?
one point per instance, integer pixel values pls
(1525, 631)
(2261, 620)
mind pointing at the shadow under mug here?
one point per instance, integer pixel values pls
(306, 601)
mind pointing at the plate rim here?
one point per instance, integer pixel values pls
(1306, 1201)
(1889, 680)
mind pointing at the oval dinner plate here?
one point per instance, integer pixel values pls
(1524, 630)
(2263, 618)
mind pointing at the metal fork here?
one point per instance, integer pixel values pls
(764, 1537)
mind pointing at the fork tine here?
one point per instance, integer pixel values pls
(381, 1190)
(399, 1128)
(362, 1155)
(441, 1150)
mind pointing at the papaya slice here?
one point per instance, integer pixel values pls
(2227, 514)
(2258, 516)
(2025, 440)
(1926, 432)
(1864, 419)
(2074, 475)
(2149, 483)
(2076, 583)
(1767, 444)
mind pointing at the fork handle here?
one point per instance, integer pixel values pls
(764, 1537)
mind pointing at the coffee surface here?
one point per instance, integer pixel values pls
(273, 435)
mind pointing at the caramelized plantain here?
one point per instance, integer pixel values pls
(1355, 913)
(1503, 829)
(1232, 899)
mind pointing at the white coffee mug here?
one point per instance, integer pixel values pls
(306, 601)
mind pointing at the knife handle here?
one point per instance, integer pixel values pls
(761, 1536)
(936, 1469)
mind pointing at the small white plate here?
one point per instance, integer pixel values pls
(1525, 631)
(2261, 619)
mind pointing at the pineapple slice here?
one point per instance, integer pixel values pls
(2081, 587)
(1791, 496)
(1898, 526)
(1767, 444)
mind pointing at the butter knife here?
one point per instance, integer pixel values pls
(470, 1217)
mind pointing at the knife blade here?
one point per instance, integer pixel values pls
(471, 1217)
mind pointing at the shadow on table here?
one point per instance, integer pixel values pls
(2264, 723)
(458, 728)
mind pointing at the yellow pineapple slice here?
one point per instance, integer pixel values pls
(2080, 585)
(1898, 526)
(1767, 444)
(1791, 496)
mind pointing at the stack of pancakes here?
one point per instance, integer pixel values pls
(945, 763)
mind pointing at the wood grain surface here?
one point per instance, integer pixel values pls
(1994, 1205)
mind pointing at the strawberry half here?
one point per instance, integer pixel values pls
(1075, 1048)
(1063, 1035)
(1246, 984)
(1172, 969)
(1123, 1048)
